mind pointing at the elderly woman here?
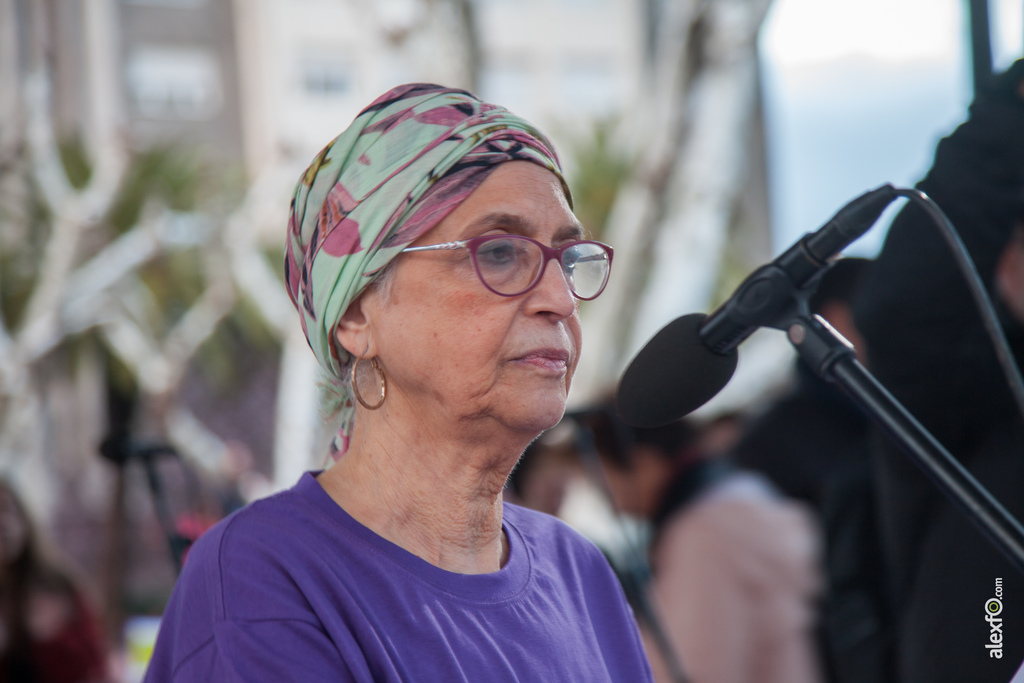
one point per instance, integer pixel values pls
(436, 265)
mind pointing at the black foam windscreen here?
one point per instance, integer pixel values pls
(673, 375)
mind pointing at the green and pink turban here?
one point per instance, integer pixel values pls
(404, 163)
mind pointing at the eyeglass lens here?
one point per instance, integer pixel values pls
(510, 266)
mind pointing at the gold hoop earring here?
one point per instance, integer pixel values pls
(383, 384)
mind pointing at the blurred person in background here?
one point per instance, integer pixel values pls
(927, 345)
(814, 444)
(544, 475)
(49, 631)
(789, 439)
(733, 563)
(420, 259)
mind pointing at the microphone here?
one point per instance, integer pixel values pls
(693, 357)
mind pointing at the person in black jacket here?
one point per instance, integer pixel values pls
(813, 443)
(926, 344)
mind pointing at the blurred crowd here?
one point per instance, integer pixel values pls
(64, 621)
(795, 542)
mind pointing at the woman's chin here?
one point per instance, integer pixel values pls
(544, 413)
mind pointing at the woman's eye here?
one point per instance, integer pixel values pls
(498, 252)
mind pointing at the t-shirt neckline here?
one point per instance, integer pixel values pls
(503, 585)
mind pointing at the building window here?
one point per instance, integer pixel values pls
(185, 4)
(174, 83)
(325, 76)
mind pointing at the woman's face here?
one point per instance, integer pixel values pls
(454, 351)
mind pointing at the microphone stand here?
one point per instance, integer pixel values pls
(833, 359)
(777, 296)
(123, 449)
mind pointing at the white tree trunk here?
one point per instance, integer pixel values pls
(705, 189)
(298, 426)
(670, 224)
(104, 119)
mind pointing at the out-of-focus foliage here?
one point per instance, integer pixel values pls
(733, 269)
(600, 170)
(75, 160)
(198, 193)
(25, 222)
(175, 280)
(240, 337)
(172, 175)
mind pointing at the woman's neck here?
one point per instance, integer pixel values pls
(440, 500)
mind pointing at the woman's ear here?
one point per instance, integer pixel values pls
(353, 330)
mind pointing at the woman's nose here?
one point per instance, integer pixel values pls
(552, 293)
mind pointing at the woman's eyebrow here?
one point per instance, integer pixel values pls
(505, 221)
(573, 231)
(520, 226)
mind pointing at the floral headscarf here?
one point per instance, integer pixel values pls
(403, 164)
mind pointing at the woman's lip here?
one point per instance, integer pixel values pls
(552, 354)
(554, 359)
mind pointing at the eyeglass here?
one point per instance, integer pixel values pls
(510, 265)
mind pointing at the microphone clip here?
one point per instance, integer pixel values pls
(767, 298)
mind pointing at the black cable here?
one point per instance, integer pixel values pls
(977, 288)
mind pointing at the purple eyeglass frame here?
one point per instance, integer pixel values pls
(549, 253)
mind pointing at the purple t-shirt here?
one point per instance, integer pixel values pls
(291, 588)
